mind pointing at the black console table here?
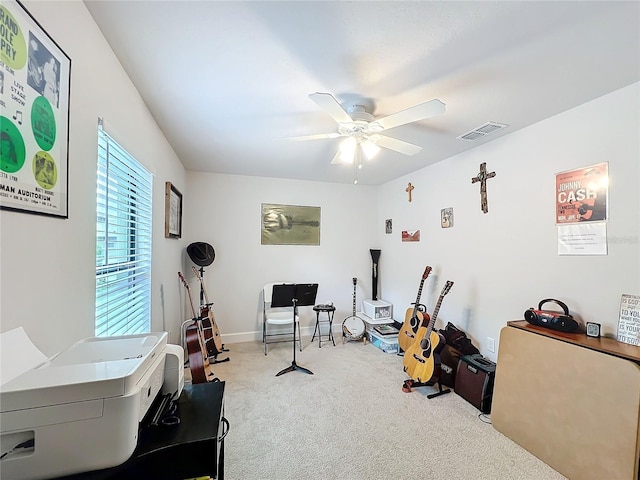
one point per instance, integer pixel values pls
(192, 448)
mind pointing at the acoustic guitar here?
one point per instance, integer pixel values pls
(195, 343)
(212, 338)
(413, 318)
(422, 359)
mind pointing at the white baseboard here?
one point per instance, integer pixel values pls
(256, 336)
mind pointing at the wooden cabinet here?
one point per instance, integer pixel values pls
(571, 400)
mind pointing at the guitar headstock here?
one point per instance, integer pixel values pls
(447, 287)
(195, 270)
(426, 273)
(184, 281)
(355, 281)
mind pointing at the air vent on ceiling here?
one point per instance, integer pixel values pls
(482, 131)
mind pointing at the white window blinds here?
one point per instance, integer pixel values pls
(123, 241)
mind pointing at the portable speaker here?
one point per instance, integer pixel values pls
(560, 321)
(474, 381)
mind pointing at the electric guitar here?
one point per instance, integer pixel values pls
(422, 359)
(413, 318)
(213, 340)
(195, 343)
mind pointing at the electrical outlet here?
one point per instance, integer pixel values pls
(491, 345)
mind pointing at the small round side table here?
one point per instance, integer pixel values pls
(330, 311)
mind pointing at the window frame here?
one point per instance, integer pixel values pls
(124, 212)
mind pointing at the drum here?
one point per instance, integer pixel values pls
(353, 328)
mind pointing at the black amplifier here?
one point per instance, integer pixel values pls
(474, 381)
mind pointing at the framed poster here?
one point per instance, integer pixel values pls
(35, 84)
(290, 225)
(172, 211)
(581, 194)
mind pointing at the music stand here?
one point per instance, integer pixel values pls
(294, 295)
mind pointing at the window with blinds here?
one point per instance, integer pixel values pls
(123, 241)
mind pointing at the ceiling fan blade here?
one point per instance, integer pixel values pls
(336, 160)
(331, 106)
(395, 144)
(412, 114)
(313, 137)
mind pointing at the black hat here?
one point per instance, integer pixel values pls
(202, 254)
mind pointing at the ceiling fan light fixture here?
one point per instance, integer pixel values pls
(362, 131)
(348, 149)
(370, 149)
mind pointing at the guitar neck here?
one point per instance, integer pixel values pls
(415, 307)
(426, 273)
(186, 286)
(193, 309)
(204, 288)
(445, 290)
(432, 322)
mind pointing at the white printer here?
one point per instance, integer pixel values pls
(79, 410)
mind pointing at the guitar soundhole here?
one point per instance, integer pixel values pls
(425, 345)
(414, 323)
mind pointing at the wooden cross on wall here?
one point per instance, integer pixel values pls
(482, 178)
(409, 189)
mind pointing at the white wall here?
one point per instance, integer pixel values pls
(506, 261)
(501, 262)
(224, 211)
(48, 264)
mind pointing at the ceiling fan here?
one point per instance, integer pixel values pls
(362, 130)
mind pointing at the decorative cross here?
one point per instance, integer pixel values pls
(409, 189)
(482, 178)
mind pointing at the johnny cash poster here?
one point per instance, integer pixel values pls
(35, 78)
(581, 194)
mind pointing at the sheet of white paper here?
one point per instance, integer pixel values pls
(582, 238)
(18, 354)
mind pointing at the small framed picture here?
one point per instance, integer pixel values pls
(388, 226)
(172, 212)
(593, 329)
(446, 217)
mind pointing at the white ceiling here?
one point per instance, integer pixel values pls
(226, 81)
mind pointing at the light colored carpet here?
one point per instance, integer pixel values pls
(352, 421)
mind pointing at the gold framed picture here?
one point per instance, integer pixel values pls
(172, 211)
(290, 225)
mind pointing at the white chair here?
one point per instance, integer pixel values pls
(277, 316)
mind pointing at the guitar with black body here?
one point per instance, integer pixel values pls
(422, 359)
(413, 317)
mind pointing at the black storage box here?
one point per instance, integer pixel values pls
(474, 381)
